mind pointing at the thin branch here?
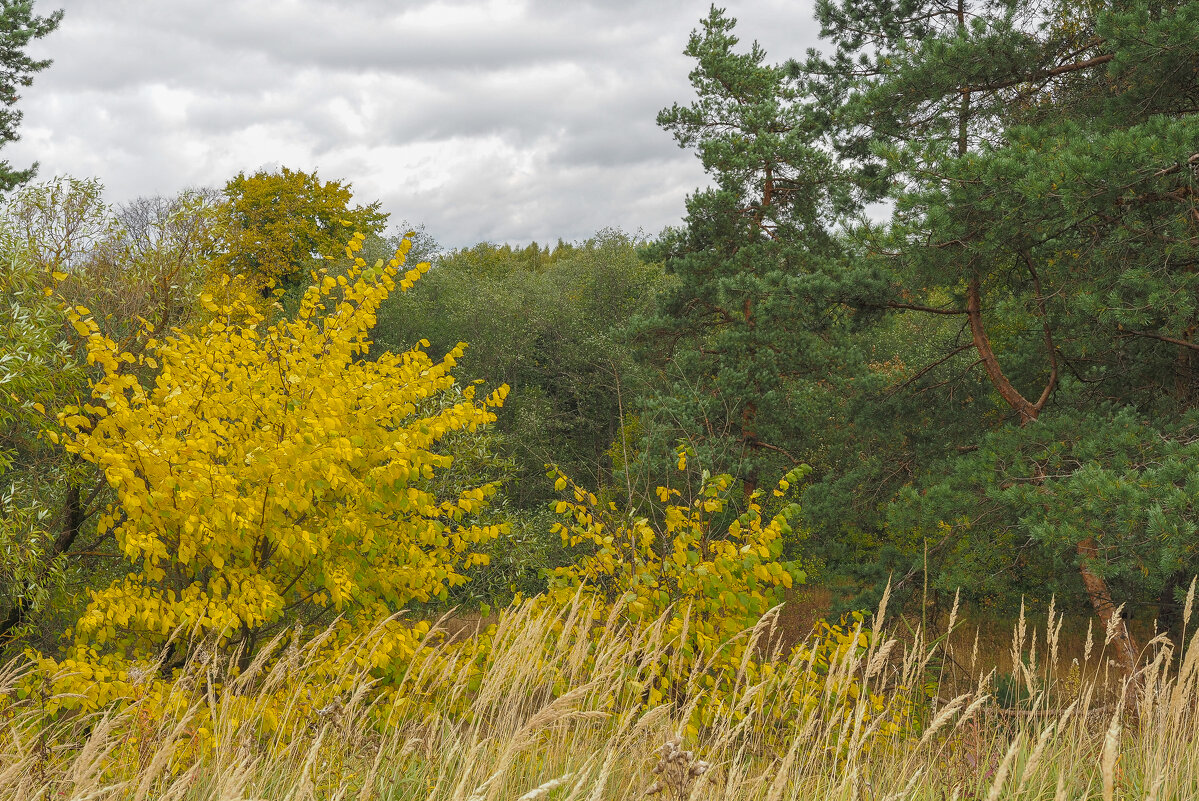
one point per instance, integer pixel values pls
(928, 367)
(1036, 76)
(769, 447)
(1193, 161)
(1049, 346)
(918, 307)
(1171, 340)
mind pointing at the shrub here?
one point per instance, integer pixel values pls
(707, 578)
(268, 475)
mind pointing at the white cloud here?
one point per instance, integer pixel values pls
(485, 119)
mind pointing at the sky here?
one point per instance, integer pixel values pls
(501, 121)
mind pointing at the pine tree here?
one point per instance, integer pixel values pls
(752, 313)
(1042, 159)
(18, 27)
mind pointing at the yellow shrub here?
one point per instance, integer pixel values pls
(704, 578)
(262, 472)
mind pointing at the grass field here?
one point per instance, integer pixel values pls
(566, 726)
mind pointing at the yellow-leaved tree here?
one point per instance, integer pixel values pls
(276, 224)
(269, 475)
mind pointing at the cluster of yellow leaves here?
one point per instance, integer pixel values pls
(297, 683)
(727, 570)
(264, 471)
(831, 649)
(273, 224)
(710, 575)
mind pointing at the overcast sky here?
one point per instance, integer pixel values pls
(506, 121)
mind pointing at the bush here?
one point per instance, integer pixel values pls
(267, 476)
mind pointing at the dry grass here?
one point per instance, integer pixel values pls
(570, 727)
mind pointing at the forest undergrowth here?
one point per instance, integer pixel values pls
(551, 703)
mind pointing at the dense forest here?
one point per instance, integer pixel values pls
(928, 339)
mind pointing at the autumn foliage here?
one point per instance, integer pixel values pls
(267, 475)
(728, 569)
(699, 577)
(275, 224)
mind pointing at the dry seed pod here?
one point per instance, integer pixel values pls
(677, 770)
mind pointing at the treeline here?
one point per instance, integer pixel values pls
(948, 263)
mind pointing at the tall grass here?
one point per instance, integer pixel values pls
(573, 725)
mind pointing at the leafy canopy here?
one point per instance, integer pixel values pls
(748, 318)
(278, 224)
(36, 371)
(271, 475)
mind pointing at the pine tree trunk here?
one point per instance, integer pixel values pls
(749, 439)
(1127, 651)
(1097, 590)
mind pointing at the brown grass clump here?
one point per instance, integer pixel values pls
(558, 713)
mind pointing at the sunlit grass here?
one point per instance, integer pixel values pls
(569, 727)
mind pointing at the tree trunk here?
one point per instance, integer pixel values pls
(1127, 651)
(749, 439)
(72, 521)
(1027, 410)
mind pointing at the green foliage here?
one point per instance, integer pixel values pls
(550, 324)
(1040, 251)
(751, 321)
(147, 260)
(18, 27)
(36, 371)
(1126, 483)
(59, 223)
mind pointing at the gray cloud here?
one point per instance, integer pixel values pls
(502, 120)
